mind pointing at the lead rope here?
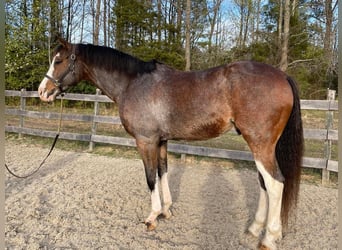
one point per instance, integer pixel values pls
(52, 147)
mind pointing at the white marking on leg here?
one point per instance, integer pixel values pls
(155, 198)
(275, 193)
(166, 195)
(156, 204)
(260, 216)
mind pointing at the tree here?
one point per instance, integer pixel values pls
(55, 16)
(245, 11)
(329, 39)
(97, 23)
(105, 42)
(284, 32)
(213, 15)
(26, 44)
(187, 36)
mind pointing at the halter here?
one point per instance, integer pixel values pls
(71, 68)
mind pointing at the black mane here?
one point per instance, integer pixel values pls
(112, 59)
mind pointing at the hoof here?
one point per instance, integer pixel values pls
(256, 228)
(263, 247)
(167, 214)
(150, 225)
(248, 241)
(270, 239)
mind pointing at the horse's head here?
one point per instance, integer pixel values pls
(63, 72)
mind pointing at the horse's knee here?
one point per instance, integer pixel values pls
(162, 160)
(149, 154)
(162, 169)
(151, 178)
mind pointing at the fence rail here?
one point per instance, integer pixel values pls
(327, 135)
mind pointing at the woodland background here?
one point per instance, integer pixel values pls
(298, 36)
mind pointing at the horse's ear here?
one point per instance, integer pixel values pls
(63, 42)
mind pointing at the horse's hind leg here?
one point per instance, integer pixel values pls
(261, 214)
(149, 152)
(273, 180)
(162, 172)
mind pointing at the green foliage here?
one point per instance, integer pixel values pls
(134, 22)
(25, 55)
(258, 51)
(311, 73)
(24, 67)
(299, 38)
(151, 31)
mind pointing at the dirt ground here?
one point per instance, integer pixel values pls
(87, 201)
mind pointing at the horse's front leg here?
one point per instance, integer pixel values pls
(149, 153)
(162, 172)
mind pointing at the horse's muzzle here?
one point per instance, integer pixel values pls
(48, 95)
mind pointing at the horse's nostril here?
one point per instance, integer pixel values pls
(41, 91)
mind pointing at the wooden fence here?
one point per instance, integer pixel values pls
(327, 135)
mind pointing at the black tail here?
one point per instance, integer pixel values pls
(289, 152)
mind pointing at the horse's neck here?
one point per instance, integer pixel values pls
(112, 84)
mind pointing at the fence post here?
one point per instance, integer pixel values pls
(183, 158)
(22, 108)
(327, 147)
(94, 124)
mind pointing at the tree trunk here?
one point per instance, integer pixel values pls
(187, 36)
(109, 24)
(246, 21)
(159, 20)
(285, 37)
(105, 43)
(82, 20)
(241, 26)
(257, 22)
(97, 23)
(68, 37)
(328, 36)
(280, 23)
(213, 22)
(179, 22)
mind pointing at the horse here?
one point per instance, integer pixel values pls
(158, 103)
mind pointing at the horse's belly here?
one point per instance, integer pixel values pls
(205, 129)
(210, 129)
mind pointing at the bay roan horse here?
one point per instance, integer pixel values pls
(158, 103)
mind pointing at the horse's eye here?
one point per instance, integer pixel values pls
(58, 62)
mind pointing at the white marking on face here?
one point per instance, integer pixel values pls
(49, 73)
